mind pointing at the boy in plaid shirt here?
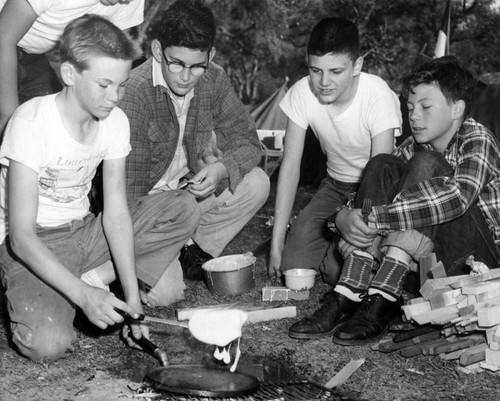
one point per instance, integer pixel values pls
(438, 192)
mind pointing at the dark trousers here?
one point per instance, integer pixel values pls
(454, 241)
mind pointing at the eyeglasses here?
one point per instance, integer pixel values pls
(176, 67)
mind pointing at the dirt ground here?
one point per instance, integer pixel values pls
(102, 367)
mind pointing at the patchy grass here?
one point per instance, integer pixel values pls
(102, 367)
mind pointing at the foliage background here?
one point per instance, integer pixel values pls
(261, 43)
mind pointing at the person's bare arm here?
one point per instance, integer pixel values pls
(97, 304)
(288, 181)
(350, 223)
(383, 143)
(120, 235)
(16, 18)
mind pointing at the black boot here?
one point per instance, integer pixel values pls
(370, 321)
(192, 258)
(335, 310)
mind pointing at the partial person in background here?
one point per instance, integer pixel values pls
(51, 243)
(355, 116)
(193, 142)
(29, 29)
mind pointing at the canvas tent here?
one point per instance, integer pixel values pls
(271, 124)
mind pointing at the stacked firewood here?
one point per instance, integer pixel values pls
(456, 317)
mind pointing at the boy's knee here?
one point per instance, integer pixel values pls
(428, 162)
(47, 343)
(259, 185)
(180, 208)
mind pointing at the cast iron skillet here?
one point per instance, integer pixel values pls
(194, 379)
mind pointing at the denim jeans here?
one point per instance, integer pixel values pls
(42, 318)
(386, 175)
(309, 244)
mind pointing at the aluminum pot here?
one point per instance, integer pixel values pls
(230, 275)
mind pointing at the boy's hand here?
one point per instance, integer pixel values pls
(134, 329)
(273, 269)
(354, 230)
(207, 180)
(100, 307)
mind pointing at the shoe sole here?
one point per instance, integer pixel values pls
(340, 341)
(306, 336)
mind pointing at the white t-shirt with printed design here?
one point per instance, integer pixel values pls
(36, 137)
(54, 15)
(345, 138)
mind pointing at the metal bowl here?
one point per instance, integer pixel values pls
(300, 279)
(231, 274)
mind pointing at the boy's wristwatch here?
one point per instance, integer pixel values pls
(330, 223)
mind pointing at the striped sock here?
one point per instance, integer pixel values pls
(390, 276)
(356, 272)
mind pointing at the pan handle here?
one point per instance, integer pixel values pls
(153, 350)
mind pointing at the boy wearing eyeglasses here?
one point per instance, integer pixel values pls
(189, 130)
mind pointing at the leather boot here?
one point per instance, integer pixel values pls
(335, 310)
(192, 258)
(370, 321)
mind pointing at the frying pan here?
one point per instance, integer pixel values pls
(195, 379)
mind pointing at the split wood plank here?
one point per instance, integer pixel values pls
(436, 285)
(458, 345)
(425, 265)
(478, 305)
(491, 275)
(255, 314)
(344, 373)
(419, 349)
(446, 298)
(416, 309)
(492, 357)
(390, 346)
(438, 271)
(473, 354)
(452, 355)
(478, 288)
(437, 316)
(488, 316)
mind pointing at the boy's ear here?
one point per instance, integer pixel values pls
(212, 54)
(68, 72)
(156, 50)
(458, 109)
(358, 65)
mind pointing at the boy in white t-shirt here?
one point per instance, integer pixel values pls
(355, 116)
(52, 147)
(29, 29)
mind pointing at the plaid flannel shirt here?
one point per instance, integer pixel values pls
(154, 129)
(474, 155)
